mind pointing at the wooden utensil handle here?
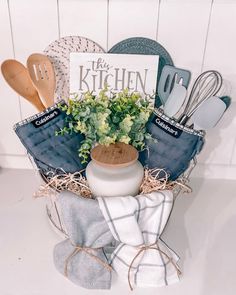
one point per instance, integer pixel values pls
(38, 104)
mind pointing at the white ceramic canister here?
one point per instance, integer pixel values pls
(114, 171)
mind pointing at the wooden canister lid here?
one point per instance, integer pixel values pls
(114, 155)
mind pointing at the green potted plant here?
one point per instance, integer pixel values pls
(108, 118)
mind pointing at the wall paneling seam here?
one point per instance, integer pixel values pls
(108, 9)
(207, 34)
(158, 18)
(232, 155)
(58, 20)
(13, 49)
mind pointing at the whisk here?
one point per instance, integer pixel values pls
(206, 85)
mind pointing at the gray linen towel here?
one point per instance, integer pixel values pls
(86, 227)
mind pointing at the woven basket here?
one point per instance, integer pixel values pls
(53, 208)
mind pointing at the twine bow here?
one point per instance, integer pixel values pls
(77, 249)
(153, 246)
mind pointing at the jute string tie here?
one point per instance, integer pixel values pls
(87, 250)
(153, 246)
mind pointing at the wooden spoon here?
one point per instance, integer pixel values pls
(17, 77)
(42, 75)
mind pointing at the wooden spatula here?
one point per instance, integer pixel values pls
(42, 75)
(17, 77)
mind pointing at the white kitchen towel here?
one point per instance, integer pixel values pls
(137, 223)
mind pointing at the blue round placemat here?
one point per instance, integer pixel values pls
(141, 45)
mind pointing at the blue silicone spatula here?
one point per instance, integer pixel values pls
(209, 113)
(169, 76)
(175, 100)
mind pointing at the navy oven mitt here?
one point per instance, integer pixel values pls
(174, 146)
(50, 152)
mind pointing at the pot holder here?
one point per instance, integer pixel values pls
(82, 258)
(173, 145)
(50, 152)
(141, 258)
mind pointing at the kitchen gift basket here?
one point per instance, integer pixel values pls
(95, 226)
(64, 211)
(185, 150)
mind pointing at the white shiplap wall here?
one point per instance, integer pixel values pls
(199, 35)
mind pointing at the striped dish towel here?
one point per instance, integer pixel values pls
(137, 223)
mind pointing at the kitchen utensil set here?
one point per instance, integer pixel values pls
(36, 84)
(202, 105)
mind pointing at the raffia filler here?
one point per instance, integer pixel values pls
(73, 182)
(154, 180)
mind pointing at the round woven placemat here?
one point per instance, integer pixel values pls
(59, 54)
(141, 45)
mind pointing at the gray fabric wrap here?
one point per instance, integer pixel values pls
(86, 227)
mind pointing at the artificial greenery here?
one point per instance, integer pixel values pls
(108, 118)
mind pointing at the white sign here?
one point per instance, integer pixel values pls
(91, 71)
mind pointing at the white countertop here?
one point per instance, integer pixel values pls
(202, 230)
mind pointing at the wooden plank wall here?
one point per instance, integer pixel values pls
(199, 35)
